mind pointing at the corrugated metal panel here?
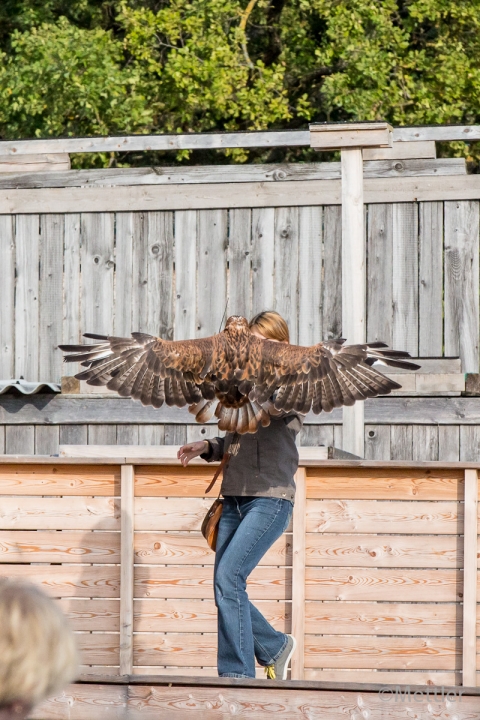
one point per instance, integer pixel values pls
(28, 388)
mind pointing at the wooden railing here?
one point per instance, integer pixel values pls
(377, 575)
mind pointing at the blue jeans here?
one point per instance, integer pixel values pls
(248, 528)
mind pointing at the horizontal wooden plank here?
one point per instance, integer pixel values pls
(53, 513)
(169, 549)
(265, 583)
(383, 652)
(174, 481)
(364, 618)
(45, 158)
(113, 410)
(426, 551)
(66, 581)
(384, 585)
(194, 616)
(175, 649)
(98, 648)
(367, 516)
(428, 384)
(90, 615)
(214, 174)
(249, 195)
(25, 546)
(181, 141)
(385, 484)
(402, 151)
(174, 514)
(55, 478)
(438, 133)
(388, 677)
(344, 135)
(83, 702)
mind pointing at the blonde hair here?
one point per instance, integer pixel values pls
(38, 652)
(271, 325)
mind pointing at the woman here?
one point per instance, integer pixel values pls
(258, 489)
(38, 653)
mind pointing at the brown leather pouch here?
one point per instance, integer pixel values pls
(212, 518)
(210, 523)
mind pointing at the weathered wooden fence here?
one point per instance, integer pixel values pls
(171, 273)
(377, 576)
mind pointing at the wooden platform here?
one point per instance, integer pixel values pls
(186, 698)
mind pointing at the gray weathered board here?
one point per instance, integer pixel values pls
(171, 273)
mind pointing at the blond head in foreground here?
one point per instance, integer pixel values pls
(38, 653)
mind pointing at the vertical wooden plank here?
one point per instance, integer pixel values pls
(405, 277)
(52, 228)
(175, 434)
(20, 439)
(2, 439)
(239, 262)
(461, 282)
(338, 436)
(127, 434)
(46, 439)
(72, 316)
(353, 249)
(286, 267)
(469, 443)
(263, 259)
(470, 572)
(449, 443)
(102, 434)
(424, 442)
(73, 434)
(377, 442)
(185, 273)
(430, 292)
(310, 275)
(211, 271)
(315, 435)
(125, 276)
(401, 442)
(7, 297)
(379, 273)
(160, 274)
(139, 270)
(332, 281)
(26, 297)
(126, 569)
(151, 435)
(97, 272)
(298, 574)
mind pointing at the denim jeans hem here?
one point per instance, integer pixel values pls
(282, 650)
(235, 675)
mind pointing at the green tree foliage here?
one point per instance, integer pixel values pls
(89, 67)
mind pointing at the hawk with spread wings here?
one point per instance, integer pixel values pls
(236, 375)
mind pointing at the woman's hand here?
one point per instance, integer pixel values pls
(191, 450)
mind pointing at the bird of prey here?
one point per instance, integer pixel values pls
(241, 378)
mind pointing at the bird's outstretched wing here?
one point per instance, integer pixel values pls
(148, 368)
(320, 377)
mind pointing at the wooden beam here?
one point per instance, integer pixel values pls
(402, 151)
(34, 163)
(470, 572)
(438, 133)
(253, 195)
(114, 177)
(324, 136)
(298, 574)
(126, 569)
(43, 410)
(354, 310)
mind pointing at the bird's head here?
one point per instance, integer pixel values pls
(236, 322)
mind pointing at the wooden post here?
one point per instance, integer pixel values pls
(351, 138)
(470, 580)
(353, 282)
(298, 574)
(126, 573)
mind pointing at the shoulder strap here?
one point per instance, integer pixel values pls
(222, 467)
